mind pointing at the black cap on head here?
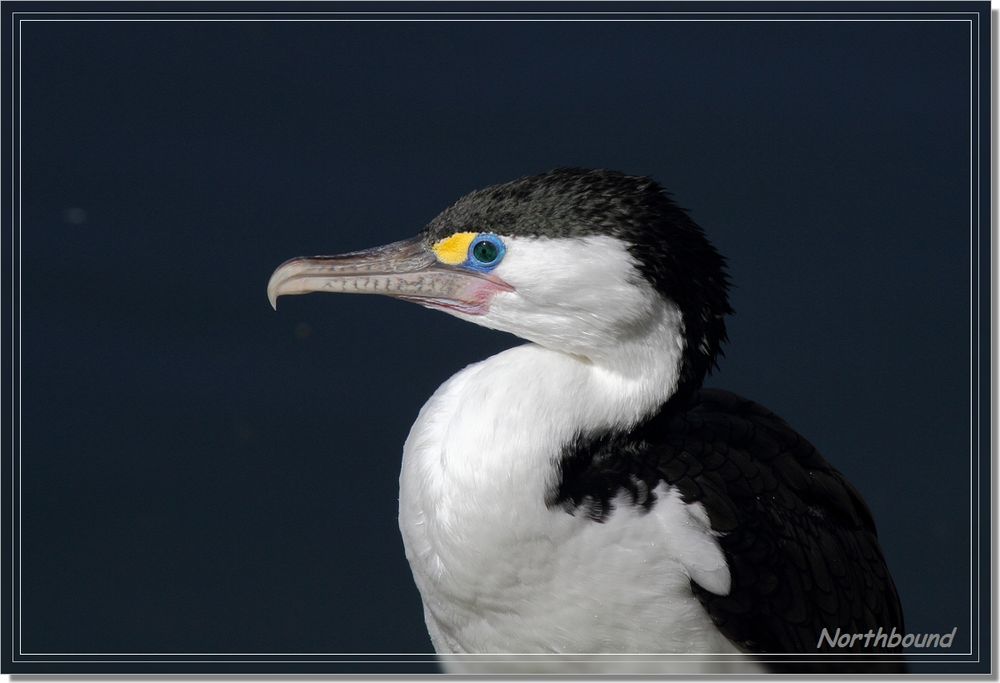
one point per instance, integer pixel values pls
(671, 249)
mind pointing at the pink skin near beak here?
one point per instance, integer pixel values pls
(405, 270)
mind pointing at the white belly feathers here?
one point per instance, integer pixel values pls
(501, 573)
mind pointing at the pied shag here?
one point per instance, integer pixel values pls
(582, 493)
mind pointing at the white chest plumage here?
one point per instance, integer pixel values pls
(499, 571)
(625, 300)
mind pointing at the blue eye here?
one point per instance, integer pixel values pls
(485, 252)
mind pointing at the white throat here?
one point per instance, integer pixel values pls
(641, 371)
(509, 417)
(485, 451)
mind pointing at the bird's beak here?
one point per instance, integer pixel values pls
(405, 270)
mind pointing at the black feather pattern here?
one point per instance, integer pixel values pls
(799, 540)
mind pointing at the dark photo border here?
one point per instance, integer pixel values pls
(17, 660)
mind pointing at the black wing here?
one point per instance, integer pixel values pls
(799, 540)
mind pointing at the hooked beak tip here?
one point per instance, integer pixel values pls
(272, 293)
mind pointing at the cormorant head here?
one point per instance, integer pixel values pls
(581, 261)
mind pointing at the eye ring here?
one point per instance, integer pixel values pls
(485, 252)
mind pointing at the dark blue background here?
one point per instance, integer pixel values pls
(202, 474)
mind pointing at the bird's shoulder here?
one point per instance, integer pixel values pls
(713, 443)
(798, 538)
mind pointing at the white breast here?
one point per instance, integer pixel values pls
(502, 573)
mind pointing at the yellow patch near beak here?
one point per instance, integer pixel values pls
(455, 249)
